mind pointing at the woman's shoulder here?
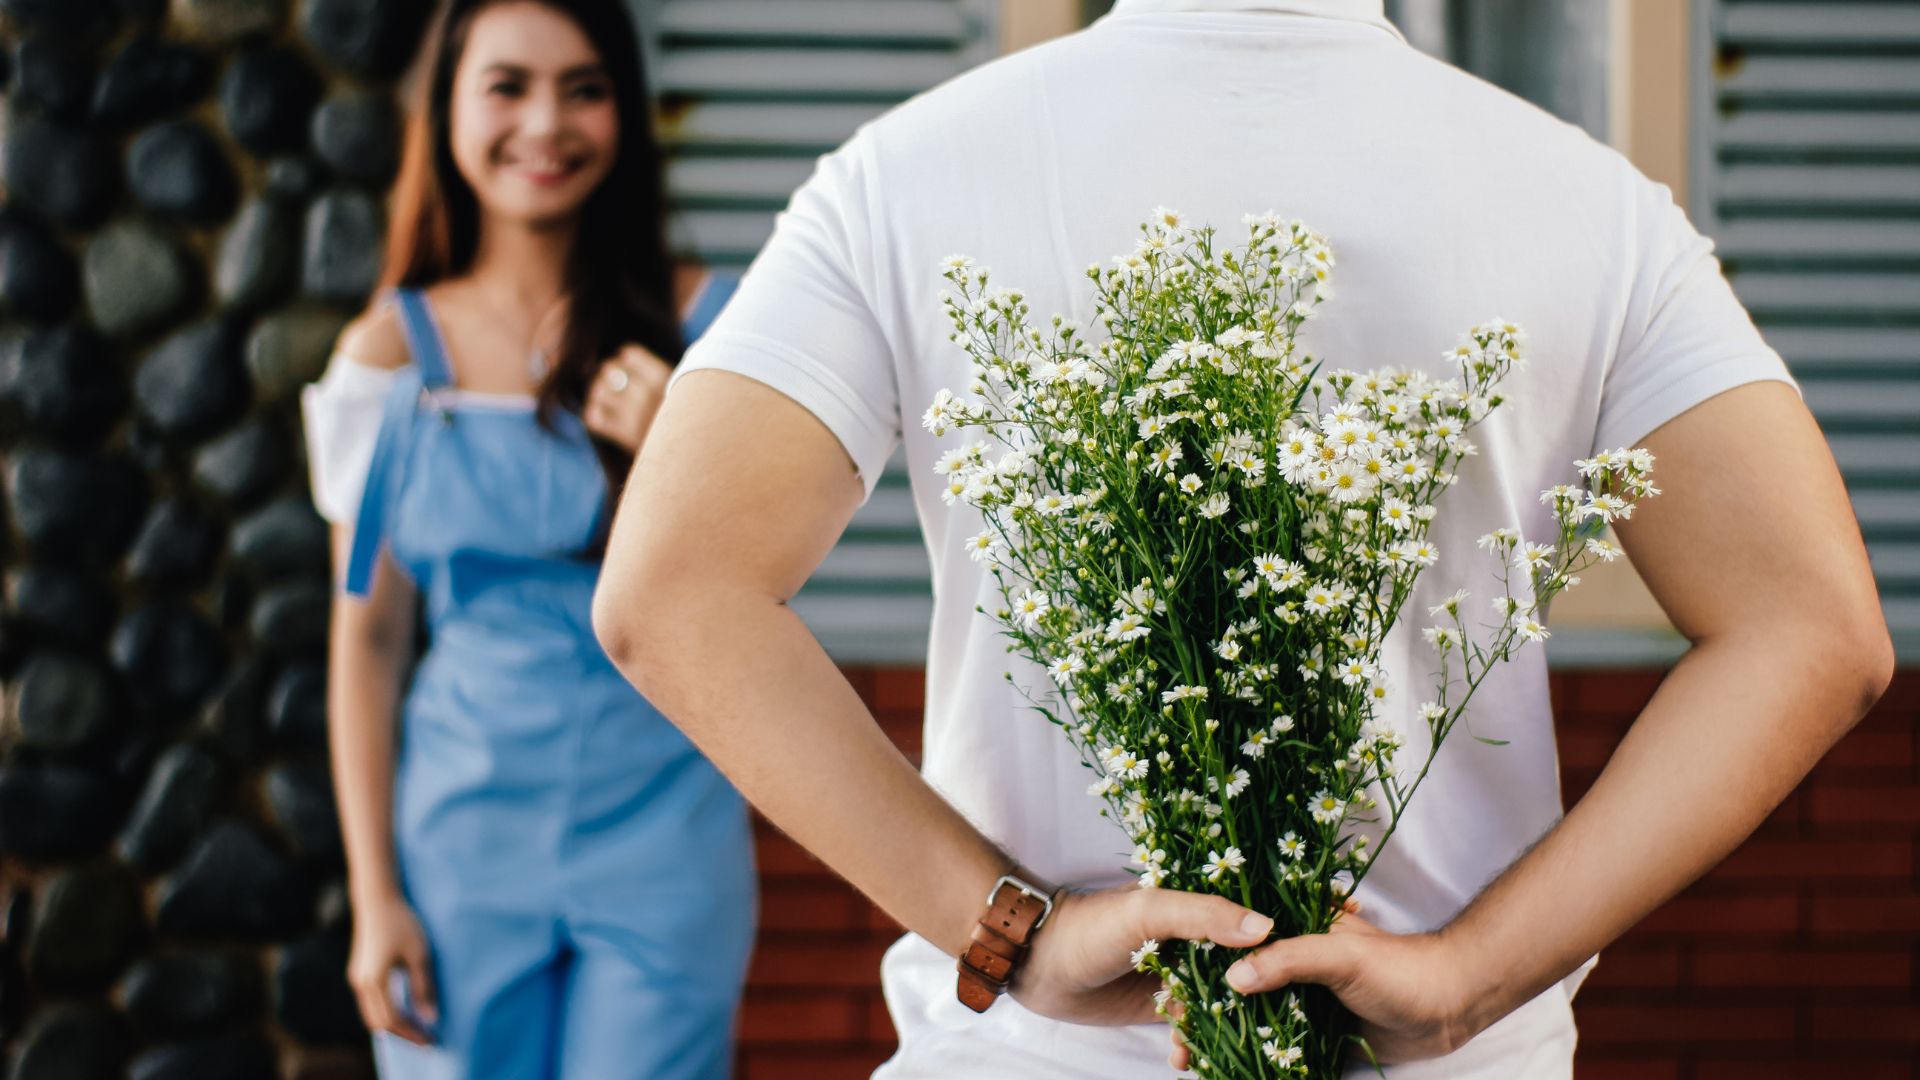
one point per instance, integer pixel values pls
(376, 338)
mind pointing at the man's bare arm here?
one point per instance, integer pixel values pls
(737, 496)
(1753, 552)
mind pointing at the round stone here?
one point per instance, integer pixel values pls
(297, 706)
(289, 349)
(311, 996)
(246, 463)
(62, 701)
(259, 256)
(148, 79)
(233, 885)
(75, 508)
(285, 538)
(300, 794)
(88, 922)
(63, 604)
(233, 1056)
(93, 18)
(54, 812)
(169, 654)
(176, 170)
(266, 97)
(73, 1042)
(357, 134)
(373, 39)
(193, 384)
(294, 180)
(175, 805)
(176, 544)
(179, 994)
(291, 619)
(229, 20)
(53, 75)
(65, 173)
(38, 278)
(345, 233)
(63, 385)
(136, 279)
(232, 719)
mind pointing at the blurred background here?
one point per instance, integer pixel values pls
(193, 206)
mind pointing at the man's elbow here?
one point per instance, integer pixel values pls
(1877, 662)
(620, 619)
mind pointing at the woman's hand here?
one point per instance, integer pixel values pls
(625, 396)
(386, 935)
(1406, 989)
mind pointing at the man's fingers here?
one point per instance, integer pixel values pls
(1168, 913)
(1325, 959)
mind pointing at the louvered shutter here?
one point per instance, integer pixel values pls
(1806, 172)
(752, 91)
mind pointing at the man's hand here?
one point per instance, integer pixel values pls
(1081, 969)
(1407, 989)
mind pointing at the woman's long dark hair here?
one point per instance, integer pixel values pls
(619, 280)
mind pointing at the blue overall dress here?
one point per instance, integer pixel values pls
(584, 876)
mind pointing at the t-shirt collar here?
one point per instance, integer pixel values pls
(1370, 12)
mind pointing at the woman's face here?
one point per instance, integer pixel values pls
(532, 119)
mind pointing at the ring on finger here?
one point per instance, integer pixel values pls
(617, 378)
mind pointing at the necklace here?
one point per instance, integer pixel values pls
(538, 356)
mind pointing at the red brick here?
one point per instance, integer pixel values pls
(779, 856)
(880, 1021)
(807, 1063)
(1557, 694)
(1583, 747)
(1866, 914)
(1868, 1024)
(881, 921)
(1797, 967)
(803, 905)
(1897, 805)
(813, 1016)
(815, 963)
(1724, 915)
(1590, 1068)
(904, 727)
(1803, 859)
(1615, 693)
(1634, 966)
(1683, 1024)
(1903, 695)
(1822, 1067)
(861, 679)
(1874, 747)
(900, 688)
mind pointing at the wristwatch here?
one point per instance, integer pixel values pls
(1015, 909)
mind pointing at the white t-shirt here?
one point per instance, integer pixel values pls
(1447, 202)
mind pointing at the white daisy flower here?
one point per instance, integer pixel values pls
(1219, 864)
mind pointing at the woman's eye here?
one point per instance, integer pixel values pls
(504, 89)
(591, 92)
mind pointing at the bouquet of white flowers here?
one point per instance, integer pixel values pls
(1204, 539)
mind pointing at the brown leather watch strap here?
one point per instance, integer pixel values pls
(999, 941)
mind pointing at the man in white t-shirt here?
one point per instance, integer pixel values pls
(1447, 201)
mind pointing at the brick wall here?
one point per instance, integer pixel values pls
(1798, 957)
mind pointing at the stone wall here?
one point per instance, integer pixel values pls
(193, 208)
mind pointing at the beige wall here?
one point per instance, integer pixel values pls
(1029, 22)
(1648, 109)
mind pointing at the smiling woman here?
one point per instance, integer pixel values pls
(547, 879)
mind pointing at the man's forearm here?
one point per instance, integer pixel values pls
(1731, 731)
(749, 684)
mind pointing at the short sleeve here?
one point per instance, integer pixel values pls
(1686, 338)
(341, 413)
(803, 320)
